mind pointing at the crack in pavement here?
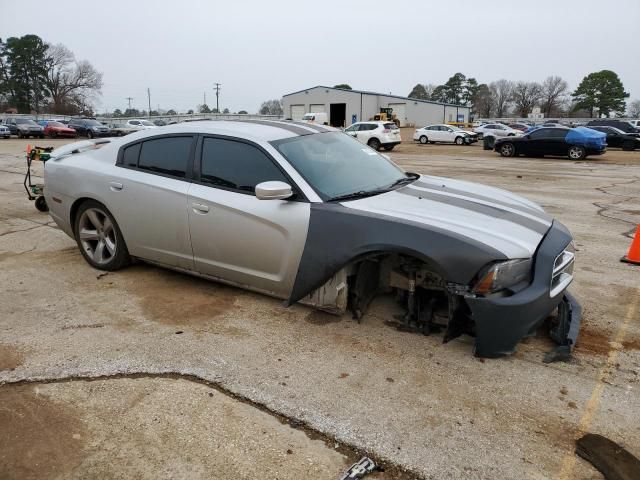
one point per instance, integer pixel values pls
(346, 449)
(602, 207)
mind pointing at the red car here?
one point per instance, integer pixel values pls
(57, 129)
(523, 127)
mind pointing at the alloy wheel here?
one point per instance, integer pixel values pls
(97, 236)
(507, 150)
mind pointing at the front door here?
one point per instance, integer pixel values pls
(235, 236)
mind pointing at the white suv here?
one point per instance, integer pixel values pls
(376, 134)
(140, 124)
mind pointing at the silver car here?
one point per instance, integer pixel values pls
(308, 214)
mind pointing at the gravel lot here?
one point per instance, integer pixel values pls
(146, 373)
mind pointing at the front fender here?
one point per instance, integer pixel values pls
(339, 235)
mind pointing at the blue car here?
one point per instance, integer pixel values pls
(575, 143)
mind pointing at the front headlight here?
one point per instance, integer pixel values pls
(503, 275)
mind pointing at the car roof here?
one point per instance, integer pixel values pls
(265, 130)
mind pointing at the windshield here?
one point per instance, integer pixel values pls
(93, 123)
(147, 123)
(55, 124)
(307, 117)
(456, 129)
(335, 164)
(24, 121)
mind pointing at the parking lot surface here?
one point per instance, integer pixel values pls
(99, 367)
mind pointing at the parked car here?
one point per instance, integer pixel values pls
(159, 123)
(478, 123)
(89, 127)
(24, 127)
(376, 134)
(618, 139)
(522, 127)
(575, 143)
(635, 123)
(121, 129)
(319, 117)
(495, 129)
(623, 125)
(139, 124)
(444, 134)
(56, 129)
(334, 224)
(5, 132)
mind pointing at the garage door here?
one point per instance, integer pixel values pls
(400, 110)
(297, 112)
(317, 108)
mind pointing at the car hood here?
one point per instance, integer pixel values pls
(498, 218)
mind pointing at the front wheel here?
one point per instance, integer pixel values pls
(507, 150)
(89, 134)
(424, 140)
(99, 237)
(576, 152)
(374, 143)
(459, 140)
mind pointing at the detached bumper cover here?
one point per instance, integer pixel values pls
(501, 322)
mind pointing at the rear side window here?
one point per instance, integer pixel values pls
(557, 133)
(167, 156)
(391, 126)
(130, 155)
(236, 165)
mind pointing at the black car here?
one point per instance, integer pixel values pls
(618, 139)
(89, 127)
(623, 125)
(575, 143)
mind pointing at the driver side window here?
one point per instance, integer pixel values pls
(235, 165)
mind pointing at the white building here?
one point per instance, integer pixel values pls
(344, 107)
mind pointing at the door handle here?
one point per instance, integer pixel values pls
(115, 186)
(200, 208)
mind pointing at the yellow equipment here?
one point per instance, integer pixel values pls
(386, 115)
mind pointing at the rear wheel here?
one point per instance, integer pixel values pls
(374, 143)
(424, 140)
(459, 140)
(576, 152)
(41, 204)
(89, 134)
(99, 237)
(507, 150)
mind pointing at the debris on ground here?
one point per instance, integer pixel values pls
(611, 459)
(359, 469)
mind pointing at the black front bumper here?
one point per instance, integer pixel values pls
(501, 322)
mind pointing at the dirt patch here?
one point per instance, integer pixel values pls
(318, 317)
(633, 344)
(40, 439)
(593, 341)
(177, 299)
(10, 357)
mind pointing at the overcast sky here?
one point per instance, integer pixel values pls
(263, 49)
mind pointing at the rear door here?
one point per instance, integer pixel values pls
(235, 236)
(556, 143)
(148, 197)
(537, 143)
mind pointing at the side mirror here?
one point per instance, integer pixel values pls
(274, 190)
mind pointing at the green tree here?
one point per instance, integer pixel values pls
(117, 112)
(24, 72)
(190, 112)
(131, 112)
(440, 94)
(204, 108)
(419, 92)
(455, 87)
(171, 111)
(601, 90)
(226, 110)
(343, 86)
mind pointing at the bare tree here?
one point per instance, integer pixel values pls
(271, 107)
(501, 92)
(634, 109)
(554, 93)
(73, 85)
(525, 96)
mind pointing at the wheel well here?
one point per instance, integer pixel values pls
(74, 211)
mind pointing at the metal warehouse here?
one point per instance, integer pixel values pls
(344, 107)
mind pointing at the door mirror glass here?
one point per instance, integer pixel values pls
(274, 190)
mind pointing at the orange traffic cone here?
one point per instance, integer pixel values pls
(28, 149)
(634, 250)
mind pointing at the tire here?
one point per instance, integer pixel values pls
(99, 238)
(40, 136)
(424, 140)
(459, 140)
(507, 149)
(388, 148)
(89, 134)
(41, 204)
(576, 152)
(480, 136)
(374, 143)
(53, 135)
(432, 143)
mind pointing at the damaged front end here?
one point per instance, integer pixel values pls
(497, 315)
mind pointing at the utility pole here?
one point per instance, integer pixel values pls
(129, 99)
(149, 98)
(217, 89)
(204, 98)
